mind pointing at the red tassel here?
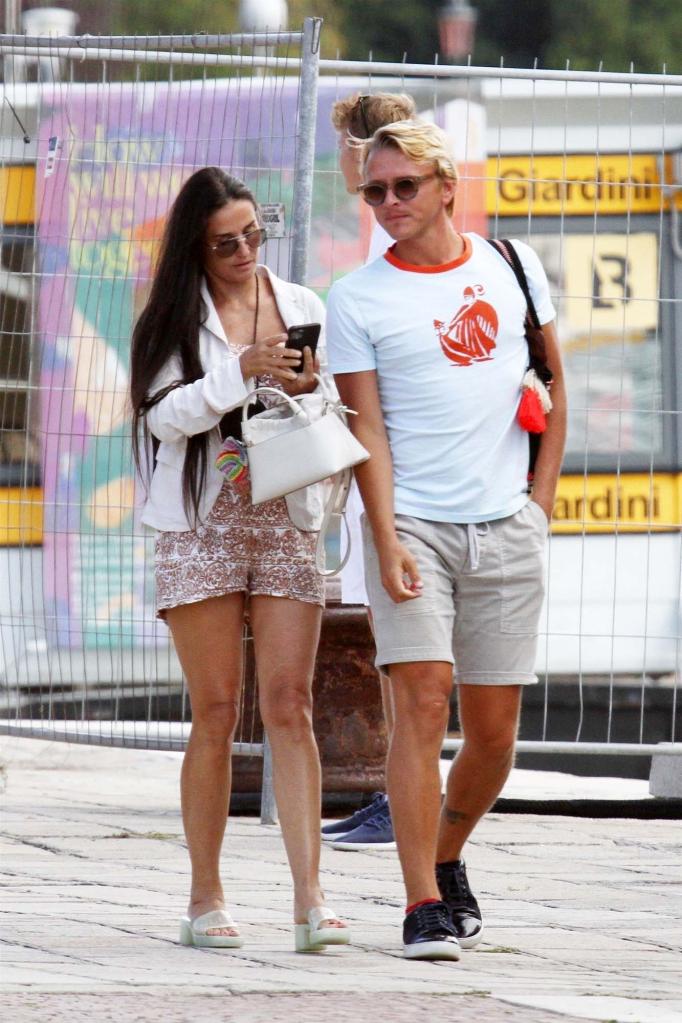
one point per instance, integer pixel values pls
(531, 416)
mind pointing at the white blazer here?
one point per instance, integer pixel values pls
(199, 407)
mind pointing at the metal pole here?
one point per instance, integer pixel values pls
(185, 58)
(83, 51)
(305, 151)
(198, 41)
(164, 735)
(268, 805)
(630, 749)
(12, 17)
(12, 67)
(174, 736)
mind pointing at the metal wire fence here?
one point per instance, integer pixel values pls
(94, 152)
(585, 166)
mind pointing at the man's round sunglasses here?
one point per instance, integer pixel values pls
(374, 193)
(228, 246)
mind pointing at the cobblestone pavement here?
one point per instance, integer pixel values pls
(254, 1008)
(583, 917)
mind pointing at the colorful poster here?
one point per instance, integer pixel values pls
(112, 160)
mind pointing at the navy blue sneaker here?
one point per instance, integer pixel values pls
(330, 832)
(428, 933)
(375, 833)
(455, 892)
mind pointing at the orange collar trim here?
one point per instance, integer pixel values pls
(414, 268)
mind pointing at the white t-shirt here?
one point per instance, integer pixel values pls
(448, 347)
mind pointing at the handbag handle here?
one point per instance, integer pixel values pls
(297, 409)
(294, 404)
(327, 394)
(336, 506)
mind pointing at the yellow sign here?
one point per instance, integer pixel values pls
(630, 503)
(605, 503)
(574, 184)
(611, 282)
(21, 516)
(17, 187)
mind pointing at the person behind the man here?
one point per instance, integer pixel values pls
(357, 117)
(428, 345)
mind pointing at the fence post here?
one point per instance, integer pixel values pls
(305, 151)
(298, 269)
(268, 806)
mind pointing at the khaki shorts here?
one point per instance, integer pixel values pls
(481, 602)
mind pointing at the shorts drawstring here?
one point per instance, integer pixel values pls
(474, 530)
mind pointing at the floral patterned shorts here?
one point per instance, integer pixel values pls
(240, 548)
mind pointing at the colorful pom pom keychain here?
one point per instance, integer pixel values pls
(534, 405)
(233, 461)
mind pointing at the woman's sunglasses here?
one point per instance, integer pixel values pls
(375, 192)
(227, 247)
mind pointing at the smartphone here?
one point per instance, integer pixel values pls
(305, 335)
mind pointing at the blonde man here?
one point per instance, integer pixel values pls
(428, 344)
(355, 118)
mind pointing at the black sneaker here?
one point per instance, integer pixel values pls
(428, 933)
(330, 832)
(456, 894)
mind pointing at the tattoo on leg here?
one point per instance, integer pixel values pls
(454, 816)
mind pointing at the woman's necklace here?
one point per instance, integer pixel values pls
(255, 318)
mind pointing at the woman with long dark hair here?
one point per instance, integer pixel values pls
(214, 326)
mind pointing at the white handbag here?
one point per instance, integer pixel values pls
(297, 442)
(294, 449)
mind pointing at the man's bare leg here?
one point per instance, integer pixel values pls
(489, 717)
(421, 701)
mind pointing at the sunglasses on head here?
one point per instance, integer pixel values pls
(374, 193)
(227, 247)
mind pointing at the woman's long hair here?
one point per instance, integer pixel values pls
(169, 323)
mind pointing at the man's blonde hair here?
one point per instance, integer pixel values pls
(361, 115)
(421, 142)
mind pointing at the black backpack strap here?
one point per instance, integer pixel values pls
(535, 339)
(506, 249)
(533, 333)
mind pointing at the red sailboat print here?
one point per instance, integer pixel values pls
(470, 335)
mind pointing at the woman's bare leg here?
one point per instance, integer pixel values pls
(286, 634)
(208, 639)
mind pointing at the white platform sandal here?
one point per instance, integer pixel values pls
(193, 932)
(311, 937)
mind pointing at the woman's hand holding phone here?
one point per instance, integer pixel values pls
(304, 381)
(268, 355)
(304, 338)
